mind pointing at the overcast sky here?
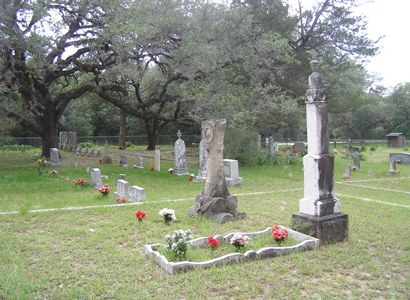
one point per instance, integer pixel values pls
(391, 19)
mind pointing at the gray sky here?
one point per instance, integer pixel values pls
(388, 18)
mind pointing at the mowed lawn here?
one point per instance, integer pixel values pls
(97, 252)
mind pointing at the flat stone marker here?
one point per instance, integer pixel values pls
(231, 172)
(122, 188)
(96, 180)
(137, 194)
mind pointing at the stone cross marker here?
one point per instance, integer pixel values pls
(319, 209)
(180, 156)
(215, 202)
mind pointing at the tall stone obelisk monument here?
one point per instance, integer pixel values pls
(319, 210)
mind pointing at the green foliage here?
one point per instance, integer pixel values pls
(373, 148)
(363, 148)
(86, 145)
(21, 148)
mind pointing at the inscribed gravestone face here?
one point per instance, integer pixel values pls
(96, 180)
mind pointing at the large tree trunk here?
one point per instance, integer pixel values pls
(47, 126)
(123, 124)
(153, 131)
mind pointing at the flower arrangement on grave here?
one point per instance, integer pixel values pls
(238, 240)
(140, 215)
(170, 170)
(191, 177)
(80, 182)
(104, 190)
(152, 169)
(100, 161)
(213, 243)
(278, 234)
(121, 199)
(168, 215)
(53, 172)
(178, 243)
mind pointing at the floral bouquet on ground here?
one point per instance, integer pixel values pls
(239, 240)
(213, 243)
(178, 242)
(80, 182)
(104, 190)
(140, 215)
(278, 234)
(121, 199)
(168, 215)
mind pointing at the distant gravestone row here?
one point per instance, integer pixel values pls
(88, 152)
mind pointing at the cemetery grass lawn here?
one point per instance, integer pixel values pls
(98, 253)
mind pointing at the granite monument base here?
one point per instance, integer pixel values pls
(328, 229)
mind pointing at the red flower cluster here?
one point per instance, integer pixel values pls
(213, 243)
(121, 199)
(105, 189)
(80, 182)
(278, 234)
(100, 161)
(152, 169)
(140, 215)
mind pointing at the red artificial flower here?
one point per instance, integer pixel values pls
(88, 155)
(278, 234)
(105, 189)
(140, 215)
(101, 161)
(190, 178)
(80, 182)
(213, 243)
(152, 169)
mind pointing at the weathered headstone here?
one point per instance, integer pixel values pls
(299, 146)
(122, 160)
(215, 202)
(137, 194)
(180, 156)
(356, 161)
(203, 158)
(54, 158)
(393, 167)
(319, 209)
(403, 158)
(140, 162)
(106, 158)
(273, 147)
(258, 142)
(231, 172)
(347, 173)
(97, 152)
(96, 180)
(122, 188)
(157, 161)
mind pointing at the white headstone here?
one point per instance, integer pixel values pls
(157, 163)
(122, 188)
(137, 194)
(231, 172)
(96, 180)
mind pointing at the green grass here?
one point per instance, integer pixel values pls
(98, 253)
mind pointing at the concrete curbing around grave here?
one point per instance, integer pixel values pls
(305, 243)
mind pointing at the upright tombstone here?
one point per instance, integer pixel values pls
(157, 161)
(203, 158)
(215, 202)
(356, 161)
(96, 180)
(140, 162)
(106, 158)
(258, 142)
(122, 160)
(180, 156)
(347, 173)
(319, 209)
(231, 172)
(122, 188)
(393, 167)
(137, 194)
(54, 158)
